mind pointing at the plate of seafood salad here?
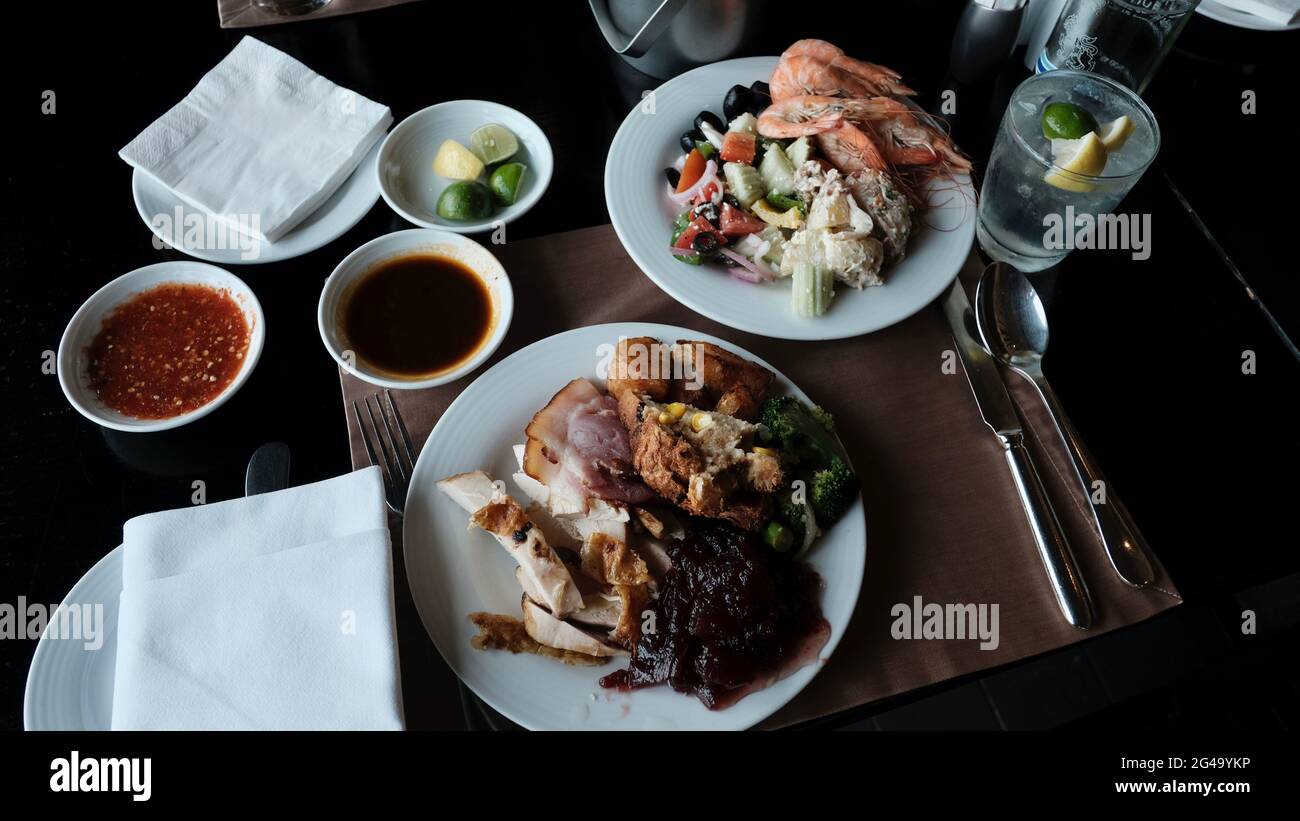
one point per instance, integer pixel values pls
(802, 197)
(634, 526)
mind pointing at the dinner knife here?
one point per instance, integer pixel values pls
(1000, 415)
(268, 469)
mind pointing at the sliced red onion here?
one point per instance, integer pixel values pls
(681, 252)
(710, 174)
(752, 273)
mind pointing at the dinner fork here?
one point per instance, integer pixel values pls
(397, 476)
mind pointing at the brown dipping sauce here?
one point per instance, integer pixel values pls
(168, 350)
(417, 315)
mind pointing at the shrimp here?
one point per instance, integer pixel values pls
(851, 149)
(801, 75)
(818, 67)
(801, 116)
(906, 135)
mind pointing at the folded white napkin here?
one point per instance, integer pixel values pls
(270, 612)
(261, 136)
(1282, 12)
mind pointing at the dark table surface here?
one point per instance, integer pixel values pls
(1147, 355)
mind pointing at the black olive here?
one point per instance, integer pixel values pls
(674, 176)
(758, 103)
(705, 244)
(710, 118)
(760, 87)
(708, 210)
(689, 139)
(736, 102)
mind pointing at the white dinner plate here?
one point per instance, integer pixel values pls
(637, 197)
(453, 572)
(1240, 19)
(157, 206)
(68, 686)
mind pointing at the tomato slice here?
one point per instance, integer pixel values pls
(706, 193)
(691, 171)
(737, 223)
(698, 225)
(739, 146)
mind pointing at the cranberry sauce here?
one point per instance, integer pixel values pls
(731, 616)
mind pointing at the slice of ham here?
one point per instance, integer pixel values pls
(599, 517)
(579, 450)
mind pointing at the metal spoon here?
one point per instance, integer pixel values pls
(1013, 326)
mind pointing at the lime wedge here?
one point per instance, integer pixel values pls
(493, 143)
(465, 201)
(455, 162)
(504, 182)
(1066, 121)
(1116, 132)
(1086, 156)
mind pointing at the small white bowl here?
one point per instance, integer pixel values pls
(89, 319)
(406, 179)
(333, 299)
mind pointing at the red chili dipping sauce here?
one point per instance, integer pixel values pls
(168, 350)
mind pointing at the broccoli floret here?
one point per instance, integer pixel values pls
(806, 434)
(793, 514)
(821, 415)
(833, 490)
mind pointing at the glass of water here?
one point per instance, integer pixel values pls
(1031, 209)
(1122, 39)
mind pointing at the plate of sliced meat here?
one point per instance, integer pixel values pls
(634, 526)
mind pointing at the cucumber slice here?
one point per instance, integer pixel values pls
(777, 171)
(811, 289)
(744, 182)
(799, 151)
(746, 123)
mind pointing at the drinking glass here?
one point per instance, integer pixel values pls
(1122, 39)
(288, 7)
(1023, 216)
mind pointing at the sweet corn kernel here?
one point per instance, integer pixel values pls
(665, 418)
(700, 421)
(764, 451)
(676, 409)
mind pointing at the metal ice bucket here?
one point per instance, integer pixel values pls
(663, 38)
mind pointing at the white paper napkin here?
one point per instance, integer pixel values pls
(261, 136)
(1282, 12)
(271, 612)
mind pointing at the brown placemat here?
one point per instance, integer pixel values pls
(943, 519)
(235, 14)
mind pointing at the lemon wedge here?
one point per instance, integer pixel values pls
(1086, 156)
(456, 162)
(1116, 132)
(781, 219)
